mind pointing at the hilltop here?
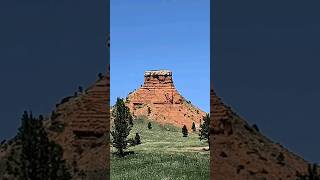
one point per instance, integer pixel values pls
(158, 100)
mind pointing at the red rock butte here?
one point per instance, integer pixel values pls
(159, 100)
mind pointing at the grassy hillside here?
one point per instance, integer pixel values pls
(163, 154)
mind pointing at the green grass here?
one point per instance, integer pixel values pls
(163, 155)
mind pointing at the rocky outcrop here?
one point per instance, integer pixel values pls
(81, 125)
(159, 100)
(239, 151)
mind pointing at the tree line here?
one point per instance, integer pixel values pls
(34, 156)
(123, 122)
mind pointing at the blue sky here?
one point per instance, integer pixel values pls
(161, 34)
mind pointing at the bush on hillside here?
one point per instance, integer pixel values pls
(184, 131)
(193, 127)
(137, 140)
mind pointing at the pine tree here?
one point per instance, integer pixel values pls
(100, 76)
(130, 121)
(312, 173)
(149, 125)
(122, 126)
(80, 89)
(204, 129)
(137, 139)
(58, 168)
(185, 131)
(37, 159)
(193, 127)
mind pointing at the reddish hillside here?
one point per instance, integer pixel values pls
(80, 124)
(159, 100)
(240, 151)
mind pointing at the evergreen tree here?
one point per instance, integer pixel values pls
(185, 131)
(254, 126)
(100, 76)
(193, 127)
(137, 139)
(149, 125)
(130, 120)
(58, 168)
(121, 126)
(80, 89)
(205, 129)
(312, 173)
(37, 159)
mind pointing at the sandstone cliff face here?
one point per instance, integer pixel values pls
(159, 100)
(240, 151)
(81, 126)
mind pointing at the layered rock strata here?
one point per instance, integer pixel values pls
(158, 99)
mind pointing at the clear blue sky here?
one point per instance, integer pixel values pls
(161, 34)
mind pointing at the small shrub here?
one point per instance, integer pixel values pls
(100, 76)
(149, 125)
(280, 159)
(193, 127)
(248, 128)
(255, 127)
(80, 89)
(239, 168)
(137, 140)
(3, 141)
(184, 131)
(223, 154)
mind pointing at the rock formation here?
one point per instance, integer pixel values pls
(84, 128)
(159, 100)
(239, 151)
(81, 125)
